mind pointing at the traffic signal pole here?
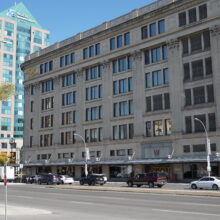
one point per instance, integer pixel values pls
(6, 188)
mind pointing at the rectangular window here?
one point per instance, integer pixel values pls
(161, 26)
(126, 39)
(147, 57)
(197, 69)
(112, 153)
(157, 102)
(208, 66)
(188, 99)
(182, 19)
(153, 30)
(188, 124)
(155, 55)
(148, 129)
(186, 148)
(168, 127)
(72, 58)
(67, 59)
(157, 78)
(119, 41)
(144, 32)
(165, 52)
(165, 76)
(206, 39)
(148, 80)
(85, 53)
(115, 87)
(198, 125)
(148, 104)
(97, 49)
(91, 51)
(158, 128)
(112, 43)
(202, 12)
(199, 95)
(196, 43)
(185, 45)
(186, 70)
(199, 148)
(62, 61)
(210, 93)
(131, 131)
(212, 123)
(192, 15)
(166, 101)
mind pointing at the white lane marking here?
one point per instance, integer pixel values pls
(24, 197)
(183, 212)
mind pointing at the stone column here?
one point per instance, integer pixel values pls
(215, 54)
(138, 93)
(80, 103)
(175, 67)
(107, 99)
(36, 113)
(57, 109)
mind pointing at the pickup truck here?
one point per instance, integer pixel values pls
(152, 179)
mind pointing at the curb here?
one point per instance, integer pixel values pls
(142, 190)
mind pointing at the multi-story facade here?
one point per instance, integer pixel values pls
(20, 34)
(131, 88)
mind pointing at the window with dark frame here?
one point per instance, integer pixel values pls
(192, 15)
(188, 124)
(182, 19)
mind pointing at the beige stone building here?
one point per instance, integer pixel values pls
(132, 88)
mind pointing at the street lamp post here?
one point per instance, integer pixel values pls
(86, 153)
(207, 145)
(11, 142)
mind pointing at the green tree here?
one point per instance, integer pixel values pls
(6, 91)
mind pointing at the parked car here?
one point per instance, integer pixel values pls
(152, 179)
(25, 178)
(92, 179)
(35, 179)
(102, 175)
(206, 182)
(49, 179)
(65, 179)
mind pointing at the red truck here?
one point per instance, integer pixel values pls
(152, 179)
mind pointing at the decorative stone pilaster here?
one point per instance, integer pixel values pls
(137, 55)
(173, 44)
(138, 92)
(215, 53)
(106, 65)
(107, 98)
(215, 30)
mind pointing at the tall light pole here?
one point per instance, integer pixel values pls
(86, 153)
(11, 142)
(207, 145)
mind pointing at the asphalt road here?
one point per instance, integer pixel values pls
(33, 202)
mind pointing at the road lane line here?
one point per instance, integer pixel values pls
(184, 212)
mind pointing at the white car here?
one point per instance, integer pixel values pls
(206, 182)
(65, 179)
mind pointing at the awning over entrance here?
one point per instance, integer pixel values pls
(127, 161)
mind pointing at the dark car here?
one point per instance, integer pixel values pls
(49, 179)
(152, 179)
(25, 178)
(92, 179)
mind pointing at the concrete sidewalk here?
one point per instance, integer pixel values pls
(142, 190)
(21, 211)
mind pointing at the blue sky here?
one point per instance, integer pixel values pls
(65, 18)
